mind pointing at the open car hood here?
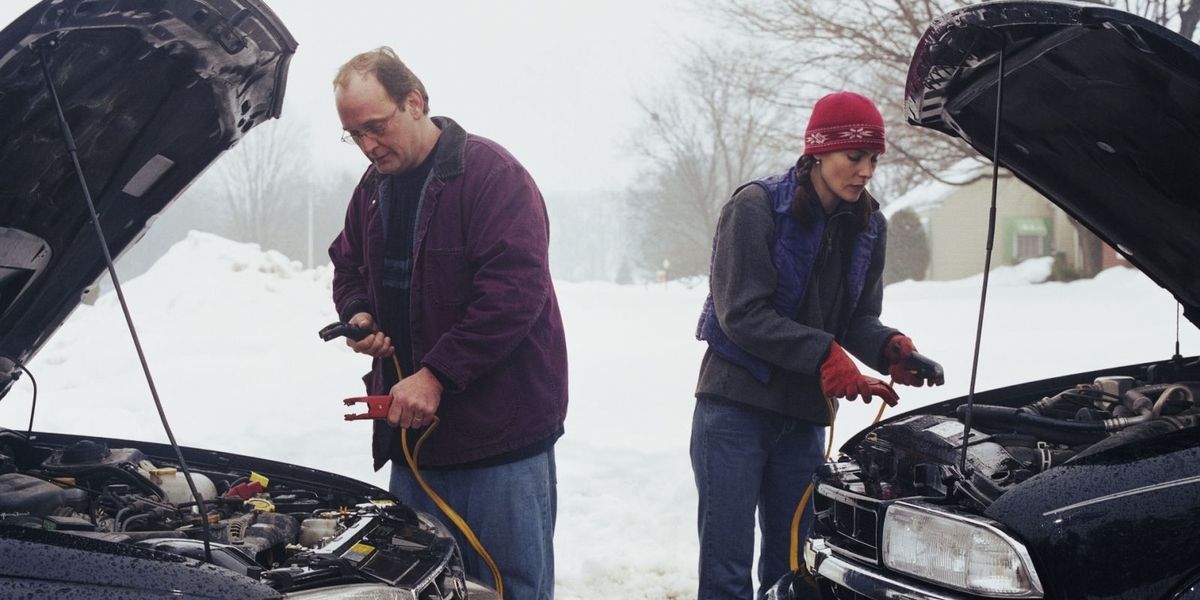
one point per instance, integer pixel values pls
(1101, 114)
(153, 92)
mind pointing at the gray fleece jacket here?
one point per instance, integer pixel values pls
(743, 281)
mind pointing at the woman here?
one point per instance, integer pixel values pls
(796, 277)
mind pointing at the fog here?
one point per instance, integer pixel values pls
(554, 82)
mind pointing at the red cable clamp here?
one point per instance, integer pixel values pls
(245, 491)
(377, 407)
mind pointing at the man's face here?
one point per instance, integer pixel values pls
(386, 133)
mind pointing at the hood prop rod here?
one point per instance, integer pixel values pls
(44, 47)
(987, 262)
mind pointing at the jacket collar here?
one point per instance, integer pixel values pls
(449, 160)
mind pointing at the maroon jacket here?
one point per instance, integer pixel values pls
(483, 311)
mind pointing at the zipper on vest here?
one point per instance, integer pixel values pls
(839, 318)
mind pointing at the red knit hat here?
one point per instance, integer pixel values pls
(844, 121)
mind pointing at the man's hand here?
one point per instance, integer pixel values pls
(840, 378)
(415, 400)
(376, 344)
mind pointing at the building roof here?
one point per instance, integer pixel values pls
(930, 194)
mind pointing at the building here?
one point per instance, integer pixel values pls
(955, 218)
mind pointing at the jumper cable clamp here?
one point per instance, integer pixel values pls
(377, 407)
(925, 369)
(335, 330)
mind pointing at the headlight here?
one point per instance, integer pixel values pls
(361, 591)
(966, 554)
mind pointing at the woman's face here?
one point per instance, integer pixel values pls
(843, 175)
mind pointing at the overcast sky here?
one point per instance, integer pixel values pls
(554, 82)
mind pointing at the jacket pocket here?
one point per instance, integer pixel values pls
(447, 279)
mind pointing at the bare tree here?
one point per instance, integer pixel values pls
(866, 45)
(256, 181)
(1179, 15)
(699, 142)
(863, 46)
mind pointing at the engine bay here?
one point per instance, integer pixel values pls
(286, 532)
(1011, 438)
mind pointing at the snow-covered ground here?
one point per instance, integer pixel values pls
(230, 333)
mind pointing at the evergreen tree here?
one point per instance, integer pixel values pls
(624, 273)
(907, 248)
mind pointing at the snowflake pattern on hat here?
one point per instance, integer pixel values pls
(844, 121)
(857, 133)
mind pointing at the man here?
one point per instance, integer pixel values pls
(444, 254)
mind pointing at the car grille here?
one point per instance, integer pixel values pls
(840, 593)
(848, 522)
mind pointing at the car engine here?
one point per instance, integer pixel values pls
(280, 531)
(1007, 444)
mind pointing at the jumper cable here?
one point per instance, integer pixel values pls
(377, 408)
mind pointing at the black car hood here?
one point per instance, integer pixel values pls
(153, 92)
(1101, 114)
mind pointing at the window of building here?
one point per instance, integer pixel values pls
(1029, 246)
(1027, 238)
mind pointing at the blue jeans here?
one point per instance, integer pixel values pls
(746, 459)
(510, 507)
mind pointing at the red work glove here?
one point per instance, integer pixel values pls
(898, 349)
(840, 378)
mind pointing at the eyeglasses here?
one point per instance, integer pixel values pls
(373, 129)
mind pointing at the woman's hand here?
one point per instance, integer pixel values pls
(840, 378)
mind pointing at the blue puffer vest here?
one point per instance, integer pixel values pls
(793, 254)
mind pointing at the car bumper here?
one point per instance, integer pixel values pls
(837, 571)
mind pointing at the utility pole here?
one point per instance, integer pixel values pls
(310, 229)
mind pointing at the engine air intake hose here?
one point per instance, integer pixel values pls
(1008, 415)
(1141, 431)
